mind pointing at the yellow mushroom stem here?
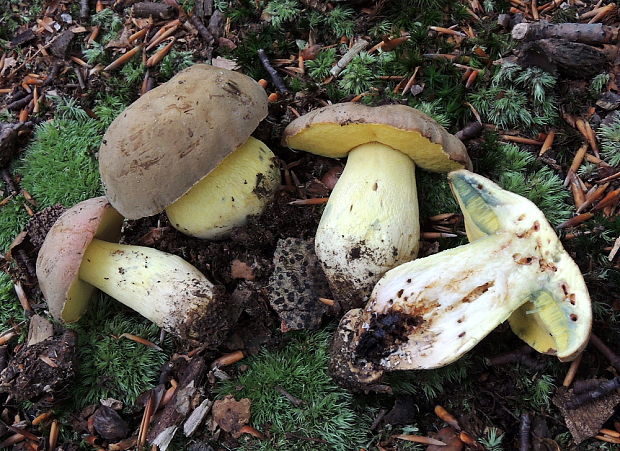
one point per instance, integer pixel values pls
(239, 187)
(370, 223)
(161, 287)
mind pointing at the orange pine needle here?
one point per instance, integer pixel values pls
(312, 201)
(168, 32)
(449, 31)
(578, 196)
(21, 295)
(572, 371)
(6, 337)
(610, 432)
(41, 418)
(436, 235)
(122, 59)
(593, 196)
(252, 431)
(140, 340)
(273, 97)
(609, 199)
(576, 220)
(228, 359)
(471, 79)
(446, 416)
(155, 59)
(521, 140)
(137, 35)
(607, 439)
(264, 83)
(328, 302)
(548, 143)
(54, 430)
(419, 439)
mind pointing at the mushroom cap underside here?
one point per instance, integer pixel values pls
(175, 135)
(334, 130)
(59, 259)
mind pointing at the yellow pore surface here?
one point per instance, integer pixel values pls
(333, 140)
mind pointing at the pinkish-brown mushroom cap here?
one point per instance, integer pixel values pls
(59, 259)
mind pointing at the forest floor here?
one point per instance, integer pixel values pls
(524, 107)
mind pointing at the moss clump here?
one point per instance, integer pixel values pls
(110, 366)
(13, 219)
(11, 311)
(327, 412)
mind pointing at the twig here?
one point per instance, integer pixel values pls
(603, 389)
(359, 45)
(524, 432)
(203, 31)
(520, 355)
(572, 371)
(613, 358)
(275, 77)
(84, 10)
(295, 401)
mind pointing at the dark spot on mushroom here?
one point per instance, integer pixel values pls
(462, 334)
(385, 332)
(355, 252)
(408, 280)
(400, 293)
(573, 317)
(375, 186)
(479, 186)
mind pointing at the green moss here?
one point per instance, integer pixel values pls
(432, 383)
(300, 368)
(11, 311)
(110, 366)
(59, 165)
(13, 219)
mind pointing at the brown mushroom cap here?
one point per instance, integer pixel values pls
(334, 130)
(59, 259)
(176, 134)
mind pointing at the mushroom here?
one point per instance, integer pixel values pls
(429, 312)
(81, 252)
(185, 147)
(370, 223)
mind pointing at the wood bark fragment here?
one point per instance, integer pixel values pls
(155, 10)
(574, 32)
(179, 407)
(359, 45)
(84, 10)
(204, 33)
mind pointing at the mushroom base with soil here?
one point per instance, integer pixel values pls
(370, 223)
(239, 187)
(161, 287)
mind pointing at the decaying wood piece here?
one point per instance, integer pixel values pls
(180, 407)
(359, 45)
(155, 10)
(571, 59)
(9, 134)
(574, 32)
(39, 330)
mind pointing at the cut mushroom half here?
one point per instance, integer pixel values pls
(542, 322)
(429, 312)
(81, 253)
(371, 222)
(185, 147)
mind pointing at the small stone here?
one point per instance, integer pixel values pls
(109, 424)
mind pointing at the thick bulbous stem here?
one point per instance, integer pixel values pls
(161, 287)
(239, 187)
(370, 223)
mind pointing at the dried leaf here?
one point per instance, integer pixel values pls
(231, 415)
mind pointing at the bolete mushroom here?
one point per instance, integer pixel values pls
(427, 313)
(81, 252)
(185, 147)
(371, 222)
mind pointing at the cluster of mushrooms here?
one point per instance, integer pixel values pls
(167, 152)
